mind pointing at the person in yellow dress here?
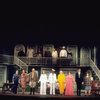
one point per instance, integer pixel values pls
(61, 82)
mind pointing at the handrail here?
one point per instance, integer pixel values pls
(20, 63)
(95, 68)
(6, 59)
(37, 61)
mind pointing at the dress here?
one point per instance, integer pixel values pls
(69, 85)
(23, 80)
(30, 53)
(61, 81)
(54, 57)
(87, 82)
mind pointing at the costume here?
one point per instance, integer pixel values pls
(43, 81)
(33, 78)
(54, 57)
(69, 90)
(79, 80)
(15, 81)
(63, 56)
(23, 80)
(52, 80)
(61, 81)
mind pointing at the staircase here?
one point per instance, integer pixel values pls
(95, 68)
(20, 63)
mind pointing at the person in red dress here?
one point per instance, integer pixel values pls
(23, 81)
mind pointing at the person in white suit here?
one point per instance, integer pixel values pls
(63, 52)
(52, 81)
(43, 82)
(63, 56)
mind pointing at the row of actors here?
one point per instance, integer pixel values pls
(65, 83)
(54, 53)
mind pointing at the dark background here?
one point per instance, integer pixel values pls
(69, 29)
(58, 29)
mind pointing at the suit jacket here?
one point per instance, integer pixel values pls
(47, 54)
(35, 78)
(52, 78)
(78, 79)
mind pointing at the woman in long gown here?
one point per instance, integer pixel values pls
(69, 89)
(23, 81)
(61, 82)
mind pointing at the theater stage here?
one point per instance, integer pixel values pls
(53, 97)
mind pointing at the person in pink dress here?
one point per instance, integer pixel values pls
(23, 81)
(69, 85)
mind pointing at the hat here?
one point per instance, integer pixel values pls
(53, 70)
(63, 47)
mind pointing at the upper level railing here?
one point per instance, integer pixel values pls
(25, 61)
(6, 59)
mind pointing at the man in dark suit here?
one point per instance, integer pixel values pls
(48, 56)
(79, 80)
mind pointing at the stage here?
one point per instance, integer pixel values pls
(37, 96)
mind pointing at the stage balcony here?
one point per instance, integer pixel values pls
(42, 61)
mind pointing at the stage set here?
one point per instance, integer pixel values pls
(81, 57)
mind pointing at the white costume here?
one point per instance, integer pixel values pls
(54, 56)
(30, 53)
(63, 53)
(43, 81)
(52, 80)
